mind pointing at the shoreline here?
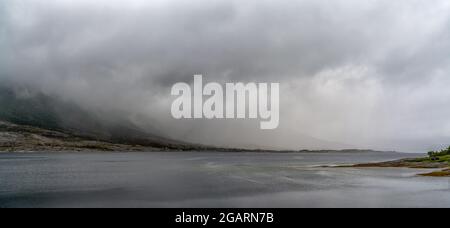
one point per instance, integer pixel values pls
(15, 138)
(140, 149)
(411, 163)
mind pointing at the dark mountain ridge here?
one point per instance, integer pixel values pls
(19, 106)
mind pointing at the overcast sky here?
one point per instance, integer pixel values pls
(353, 73)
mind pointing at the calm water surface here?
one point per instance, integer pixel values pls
(213, 180)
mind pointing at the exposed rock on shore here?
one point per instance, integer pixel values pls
(19, 138)
(418, 163)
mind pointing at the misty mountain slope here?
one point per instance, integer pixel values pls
(45, 112)
(35, 112)
(22, 138)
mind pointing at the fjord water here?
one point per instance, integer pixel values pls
(213, 180)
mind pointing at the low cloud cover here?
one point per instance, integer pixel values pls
(353, 74)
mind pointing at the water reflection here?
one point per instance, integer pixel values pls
(212, 180)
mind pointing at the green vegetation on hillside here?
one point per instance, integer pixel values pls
(435, 160)
(443, 155)
(436, 157)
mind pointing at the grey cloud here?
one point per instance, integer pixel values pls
(124, 57)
